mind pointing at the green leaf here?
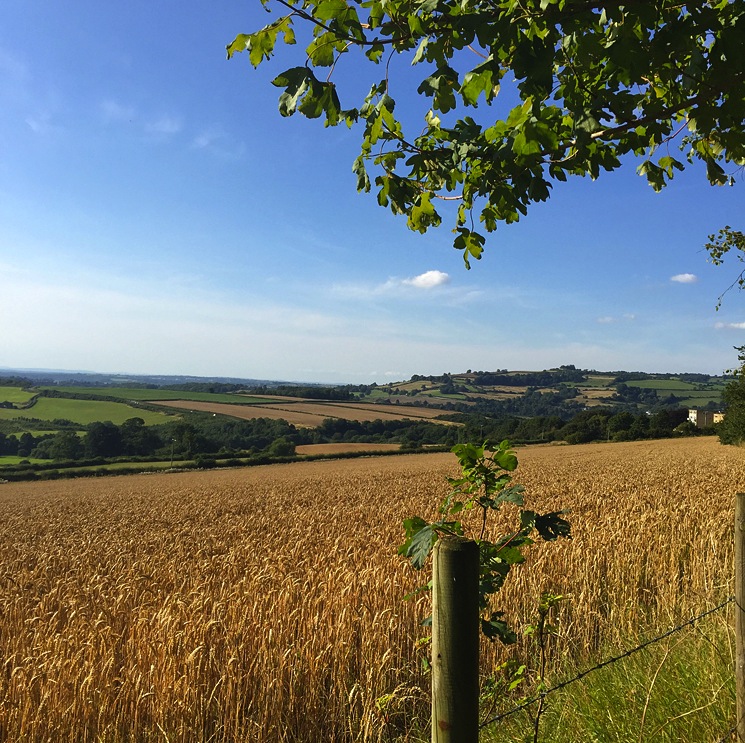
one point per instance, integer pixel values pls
(471, 243)
(363, 180)
(422, 215)
(327, 10)
(295, 82)
(476, 82)
(421, 545)
(421, 537)
(512, 494)
(495, 628)
(322, 51)
(551, 526)
(260, 45)
(238, 45)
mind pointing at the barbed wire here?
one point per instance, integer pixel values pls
(542, 695)
(728, 735)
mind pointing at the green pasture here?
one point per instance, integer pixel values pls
(147, 395)
(6, 460)
(701, 399)
(14, 395)
(673, 385)
(455, 396)
(83, 412)
(592, 381)
(378, 394)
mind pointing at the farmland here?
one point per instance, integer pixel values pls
(266, 604)
(309, 414)
(14, 395)
(81, 411)
(141, 394)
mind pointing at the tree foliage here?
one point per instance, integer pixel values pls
(732, 429)
(723, 242)
(485, 486)
(517, 94)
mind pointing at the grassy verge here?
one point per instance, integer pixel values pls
(681, 690)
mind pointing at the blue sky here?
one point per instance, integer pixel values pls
(158, 216)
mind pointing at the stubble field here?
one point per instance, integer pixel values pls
(265, 604)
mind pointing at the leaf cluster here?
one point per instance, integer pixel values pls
(562, 87)
(485, 483)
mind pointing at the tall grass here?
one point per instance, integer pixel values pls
(680, 690)
(266, 604)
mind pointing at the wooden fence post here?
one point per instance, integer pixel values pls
(740, 613)
(455, 641)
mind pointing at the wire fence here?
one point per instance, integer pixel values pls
(728, 735)
(582, 674)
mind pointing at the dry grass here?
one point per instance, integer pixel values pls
(265, 604)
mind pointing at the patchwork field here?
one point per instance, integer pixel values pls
(310, 414)
(266, 604)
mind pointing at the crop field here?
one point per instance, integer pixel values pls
(146, 395)
(311, 414)
(672, 385)
(82, 411)
(266, 604)
(343, 448)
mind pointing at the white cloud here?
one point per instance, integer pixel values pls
(215, 140)
(730, 325)
(164, 125)
(115, 111)
(608, 319)
(684, 278)
(420, 287)
(41, 124)
(207, 138)
(428, 280)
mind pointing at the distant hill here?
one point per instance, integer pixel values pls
(98, 379)
(563, 391)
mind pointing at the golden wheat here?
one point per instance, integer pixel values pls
(265, 604)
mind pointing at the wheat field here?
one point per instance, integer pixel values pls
(265, 604)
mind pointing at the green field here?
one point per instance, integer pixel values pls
(674, 385)
(14, 395)
(83, 412)
(6, 460)
(591, 381)
(146, 395)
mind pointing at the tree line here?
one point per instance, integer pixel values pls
(225, 437)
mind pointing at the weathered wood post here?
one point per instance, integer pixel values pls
(455, 641)
(740, 613)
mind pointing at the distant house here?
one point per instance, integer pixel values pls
(704, 418)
